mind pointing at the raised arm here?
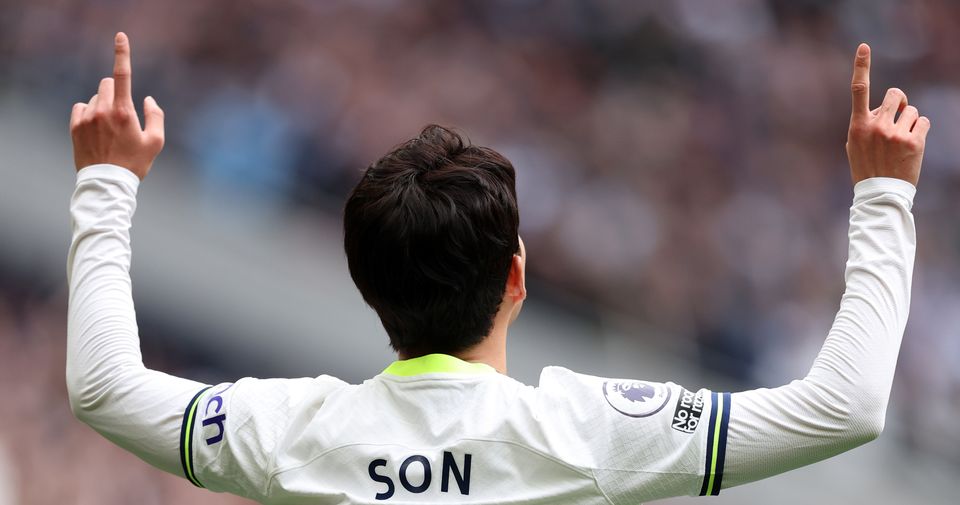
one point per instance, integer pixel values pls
(842, 402)
(140, 410)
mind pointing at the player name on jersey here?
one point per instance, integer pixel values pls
(416, 476)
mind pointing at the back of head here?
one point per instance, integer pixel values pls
(430, 232)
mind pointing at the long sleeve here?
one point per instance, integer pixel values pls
(842, 402)
(643, 440)
(658, 439)
(109, 388)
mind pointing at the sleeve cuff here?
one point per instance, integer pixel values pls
(186, 438)
(106, 171)
(876, 186)
(716, 444)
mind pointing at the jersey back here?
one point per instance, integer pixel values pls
(439, 430)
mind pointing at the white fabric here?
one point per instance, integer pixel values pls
(573, 439)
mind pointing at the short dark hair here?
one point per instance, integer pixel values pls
(430, 232)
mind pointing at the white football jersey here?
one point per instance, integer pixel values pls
(436, 429)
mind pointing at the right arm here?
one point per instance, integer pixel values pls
(842, 401)
(664, 441)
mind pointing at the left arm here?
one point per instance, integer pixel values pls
(109, 388)
(140, 410)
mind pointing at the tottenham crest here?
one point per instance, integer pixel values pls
(636, 398)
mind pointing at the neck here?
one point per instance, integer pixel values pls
(492, 350)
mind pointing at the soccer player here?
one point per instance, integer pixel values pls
(430, 233)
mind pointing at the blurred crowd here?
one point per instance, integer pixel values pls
(679, 162)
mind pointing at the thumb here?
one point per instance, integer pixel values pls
(153, 119)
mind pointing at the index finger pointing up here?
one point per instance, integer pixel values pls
(121, 70)
(860, 86)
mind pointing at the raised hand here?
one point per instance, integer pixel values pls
(878, 143)
(107, 130)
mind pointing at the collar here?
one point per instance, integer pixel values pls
(437, 363)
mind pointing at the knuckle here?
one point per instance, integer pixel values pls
(121, 113)
(897, 93)
(856, 131)
(858, 87)
(887, 134)
(905, 139)
(155, 141)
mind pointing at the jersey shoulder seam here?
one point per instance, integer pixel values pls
(271, 469)
(596, 482)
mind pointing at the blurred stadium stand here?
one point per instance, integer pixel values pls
(681, 174)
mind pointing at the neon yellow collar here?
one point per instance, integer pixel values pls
(436, 363)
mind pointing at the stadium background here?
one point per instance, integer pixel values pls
(683, 192)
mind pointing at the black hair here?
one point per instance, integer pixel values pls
(430, 232)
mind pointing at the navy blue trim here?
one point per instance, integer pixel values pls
(185, 453)
(709, 456)
(722, 448)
